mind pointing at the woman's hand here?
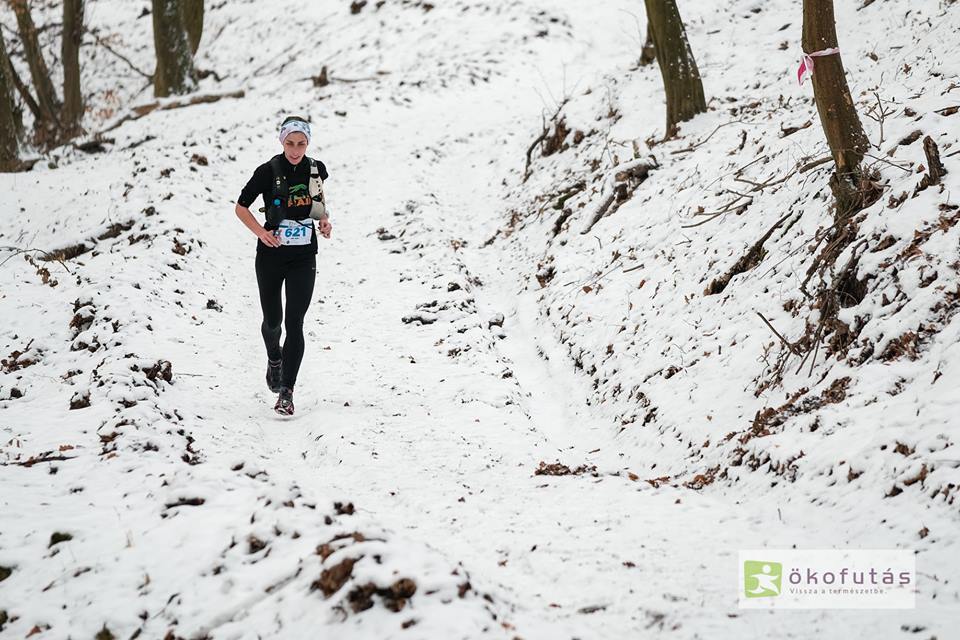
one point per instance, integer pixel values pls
(325, 227)
(267, 238)
(251, 223)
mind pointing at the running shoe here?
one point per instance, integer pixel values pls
(284, 404)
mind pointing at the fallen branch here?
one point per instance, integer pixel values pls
(748, 261)
(795, 349)
(353, 80)
(146, 109)
(749, 164)
(42, 458)
(324, 78)
(702, 222)
(609, 195)
(619, 186)
(568, 193)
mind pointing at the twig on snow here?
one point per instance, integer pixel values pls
(702, 142)
(790, 345)
(49, 256)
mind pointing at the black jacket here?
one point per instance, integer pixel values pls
(298, 204)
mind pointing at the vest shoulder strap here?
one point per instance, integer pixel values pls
(279, 180)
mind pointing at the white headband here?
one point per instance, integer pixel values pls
(292, 127)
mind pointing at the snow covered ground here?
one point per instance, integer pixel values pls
(149, 490)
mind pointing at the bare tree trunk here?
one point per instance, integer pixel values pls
(70, 48)
(24, 91)
(649, 52)
(175, 73)
(11, 126)
(838, 115)
(681, 78)
(48, 128)
(191, 11)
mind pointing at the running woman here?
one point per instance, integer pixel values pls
(286, 251)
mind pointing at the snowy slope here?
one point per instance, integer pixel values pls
(687, 373)
(194, 512)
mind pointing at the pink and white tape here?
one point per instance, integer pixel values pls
(806, 62)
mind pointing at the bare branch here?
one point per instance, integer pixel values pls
(100, 41)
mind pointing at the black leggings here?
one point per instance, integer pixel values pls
(299, 274)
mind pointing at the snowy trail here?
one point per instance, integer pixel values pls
(443, 449)
(433, 431)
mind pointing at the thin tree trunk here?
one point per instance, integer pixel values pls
(175, 73)
(49, 127)
(649, 52)
(191, 11)
(70, 47)
(11, 126)
(681, 78)
(24, 91)
(838, 115)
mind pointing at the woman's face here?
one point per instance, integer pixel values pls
(295, 147)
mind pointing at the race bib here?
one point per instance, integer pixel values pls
(293, 233)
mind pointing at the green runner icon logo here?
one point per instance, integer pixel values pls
(761, 579)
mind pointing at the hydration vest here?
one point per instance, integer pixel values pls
(275, 209)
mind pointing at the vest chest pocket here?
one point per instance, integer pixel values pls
(294, 232)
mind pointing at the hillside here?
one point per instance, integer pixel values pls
(538, 399)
